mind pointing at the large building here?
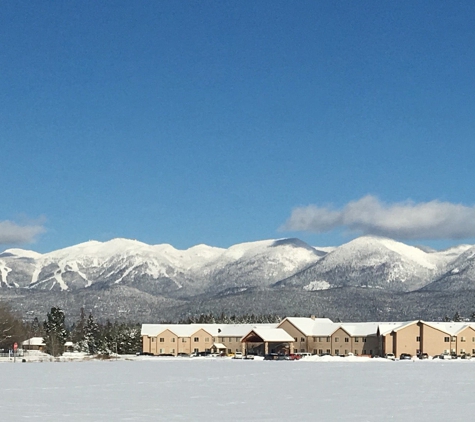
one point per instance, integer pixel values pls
(312, 335)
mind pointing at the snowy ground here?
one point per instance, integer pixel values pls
(181, 389)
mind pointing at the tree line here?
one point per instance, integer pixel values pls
(86, 334)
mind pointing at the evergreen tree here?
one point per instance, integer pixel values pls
(457, 317)
(91, 335)
(55, 332)
(78, 333)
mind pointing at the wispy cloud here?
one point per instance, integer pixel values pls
(403, 220)
(15, 234)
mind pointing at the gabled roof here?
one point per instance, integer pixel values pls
(404, 325)
(231, 330)
(451, 328)
(271, 334)
(180, 330)
(308, 326)
(360, 328)
(385, 328)
(34, 341)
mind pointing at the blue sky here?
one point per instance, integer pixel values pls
(224, 122)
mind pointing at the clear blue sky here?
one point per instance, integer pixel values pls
(217, 122)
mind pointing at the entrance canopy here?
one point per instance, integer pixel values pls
(277, 338)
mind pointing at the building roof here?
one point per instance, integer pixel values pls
(219, 346)
(180, 330)
(451, 327)
(34, 341)
(267, 334)
(361, 328)
(310, 326)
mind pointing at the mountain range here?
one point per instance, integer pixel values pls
(366, 278)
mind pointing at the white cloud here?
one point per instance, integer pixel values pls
(404, 220)
(12, 233)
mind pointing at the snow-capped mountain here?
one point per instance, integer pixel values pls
(124, 277)
(371, 262)
(460, 274)
(157, 269)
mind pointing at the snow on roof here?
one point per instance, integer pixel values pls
(216, 330)
(180, 330)
(309, 326)
(360, 328)
(34, 341)
(232, 330)
(451, 327)
(272, 334)
(387, 327)
(219, 346)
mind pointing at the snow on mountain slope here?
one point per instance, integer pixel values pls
(258, 263)
(370, 261)
(460, 274)
(164, 270)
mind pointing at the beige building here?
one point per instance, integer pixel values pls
(312, 335)
(176, 339)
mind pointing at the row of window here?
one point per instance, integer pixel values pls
(329, 339)
(183, 340)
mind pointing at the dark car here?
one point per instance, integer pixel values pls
(144, 354)
(275, 356)
(423, 356)
(405, 356)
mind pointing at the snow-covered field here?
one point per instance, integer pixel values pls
(231, 390)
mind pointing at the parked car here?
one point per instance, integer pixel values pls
(405, 356)
(276, 356)
(423, 356)
(237, 355)
(391, 356)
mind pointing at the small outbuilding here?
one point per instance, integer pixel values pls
(34, 343)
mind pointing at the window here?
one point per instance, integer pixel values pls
(315, 339)
(337, 339)
(320, 351)
(328, 339)
(295, 339)
(153, 339)
(173, 350)
(370, 352)
(206, 339)
(418, 338)
(364, 352)
(302, 339)
(161, 351)
(302, 350)
(454, 338)
(183, 340)
(473, 339)
(363, 339)
(346, 352)
(446, 339)
(196, 339)
(463, 339)
(347, 339)
(337, 352)
(357, 340)
(173, 340)
(328, 351)
(356, 353)
(162, 340)
(196, 350)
